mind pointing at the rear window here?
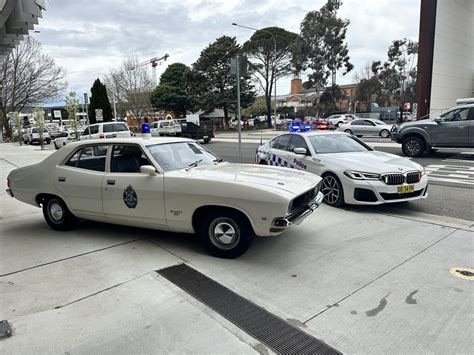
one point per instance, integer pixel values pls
(114, 127)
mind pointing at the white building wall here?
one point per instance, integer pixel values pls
(453, 58)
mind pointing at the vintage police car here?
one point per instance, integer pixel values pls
(171, 184)
(352, 171)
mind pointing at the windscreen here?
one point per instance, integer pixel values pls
(174, 156)
(324, 144)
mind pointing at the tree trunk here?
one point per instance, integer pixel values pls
(226, 116)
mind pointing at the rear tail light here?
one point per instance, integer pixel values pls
(102, 135)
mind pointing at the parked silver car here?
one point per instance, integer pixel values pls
(367, 127)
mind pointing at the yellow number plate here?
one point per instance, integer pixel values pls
(405, 189)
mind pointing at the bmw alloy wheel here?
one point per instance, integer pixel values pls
(224, 233)
(331, 190)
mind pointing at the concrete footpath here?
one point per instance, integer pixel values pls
(363, 282)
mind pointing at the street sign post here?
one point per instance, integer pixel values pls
(98, 115)
(88, 123)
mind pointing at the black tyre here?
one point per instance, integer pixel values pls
(207, 140)
(413, 146)
(225, 234)
(263, 162)
(348, 131)
(384, 133)
(57, 215)
(332, 189)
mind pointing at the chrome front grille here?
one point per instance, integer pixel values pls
(413, 177)
(399, 179)
(393, 179)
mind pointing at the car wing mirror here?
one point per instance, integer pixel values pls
(438, 120)
(300, 151)
(148, 170)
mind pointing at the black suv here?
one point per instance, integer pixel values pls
(452, 129)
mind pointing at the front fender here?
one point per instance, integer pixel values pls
(416, 131)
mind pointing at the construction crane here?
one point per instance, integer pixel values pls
(154, 63)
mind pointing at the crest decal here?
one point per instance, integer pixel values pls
(130, 197)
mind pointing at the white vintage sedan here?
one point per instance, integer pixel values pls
(171, 184)
(352, 171)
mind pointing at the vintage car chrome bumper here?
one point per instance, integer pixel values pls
(282, 223)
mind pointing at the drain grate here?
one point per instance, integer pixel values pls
(271, 330)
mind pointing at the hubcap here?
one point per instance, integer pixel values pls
(412, 147)
(56, 211)
(384, 134)
(330, 189)
(224, 234)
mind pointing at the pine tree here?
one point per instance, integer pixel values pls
(99, 100)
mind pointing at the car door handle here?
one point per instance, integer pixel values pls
(110, 182)
(61, 179)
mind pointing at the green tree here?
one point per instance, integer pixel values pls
(210, 82)
(266, 64)
(99, 100)
(368, 90)
(324, 35)
(172, 93)
(258, 107)
(329, 98)
(72, 105)
(38, 114)
(397, 75)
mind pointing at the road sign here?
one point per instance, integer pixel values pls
(243, 63)
(406, 106)
(57, 113)
(98, 115)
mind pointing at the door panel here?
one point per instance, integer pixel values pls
(453, 130)
(134, 197)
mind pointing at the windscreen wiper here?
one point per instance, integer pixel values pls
(192, 165)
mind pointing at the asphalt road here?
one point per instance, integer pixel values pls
(445, 198)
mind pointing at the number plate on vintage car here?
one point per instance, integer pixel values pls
(405, 189)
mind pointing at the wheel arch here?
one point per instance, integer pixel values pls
(416, 132)
(204, 210)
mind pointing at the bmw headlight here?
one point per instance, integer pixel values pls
(361, 175)
(423, 171)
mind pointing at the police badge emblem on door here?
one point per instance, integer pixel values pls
(130, 197)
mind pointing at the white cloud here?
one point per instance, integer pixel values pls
(88, 37)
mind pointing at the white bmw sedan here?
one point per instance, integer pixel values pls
(352, 172)
(171, 184)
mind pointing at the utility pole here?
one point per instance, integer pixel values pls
(87, 113)
(115, 108)
(239, 123)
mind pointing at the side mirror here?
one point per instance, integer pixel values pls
(300, 151)
(437, 120)
(148, 170)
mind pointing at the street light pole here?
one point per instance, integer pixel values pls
(274, 62)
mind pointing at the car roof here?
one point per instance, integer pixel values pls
(104, 123)
(135, 140)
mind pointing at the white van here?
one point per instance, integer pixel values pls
(106, 130)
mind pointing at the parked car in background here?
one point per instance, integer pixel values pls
(352, 172)
(66, 137)
(171, 184)
(193, 131)
(452, 129)
(338, 119)
(165, 128)
(106, 130)
(367, 127)
(33, 136)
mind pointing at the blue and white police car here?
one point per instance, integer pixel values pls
(352, 171)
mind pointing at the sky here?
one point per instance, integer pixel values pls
(90, 37)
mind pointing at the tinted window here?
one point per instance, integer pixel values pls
(86, 132)
(114, 127)
(274, 142)
(324, 144)
(297, 142)
(128, 159)
(94, 129)
(360, 123)
(283, 142)
(456, 115)
(89, 158)
(369, 123)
